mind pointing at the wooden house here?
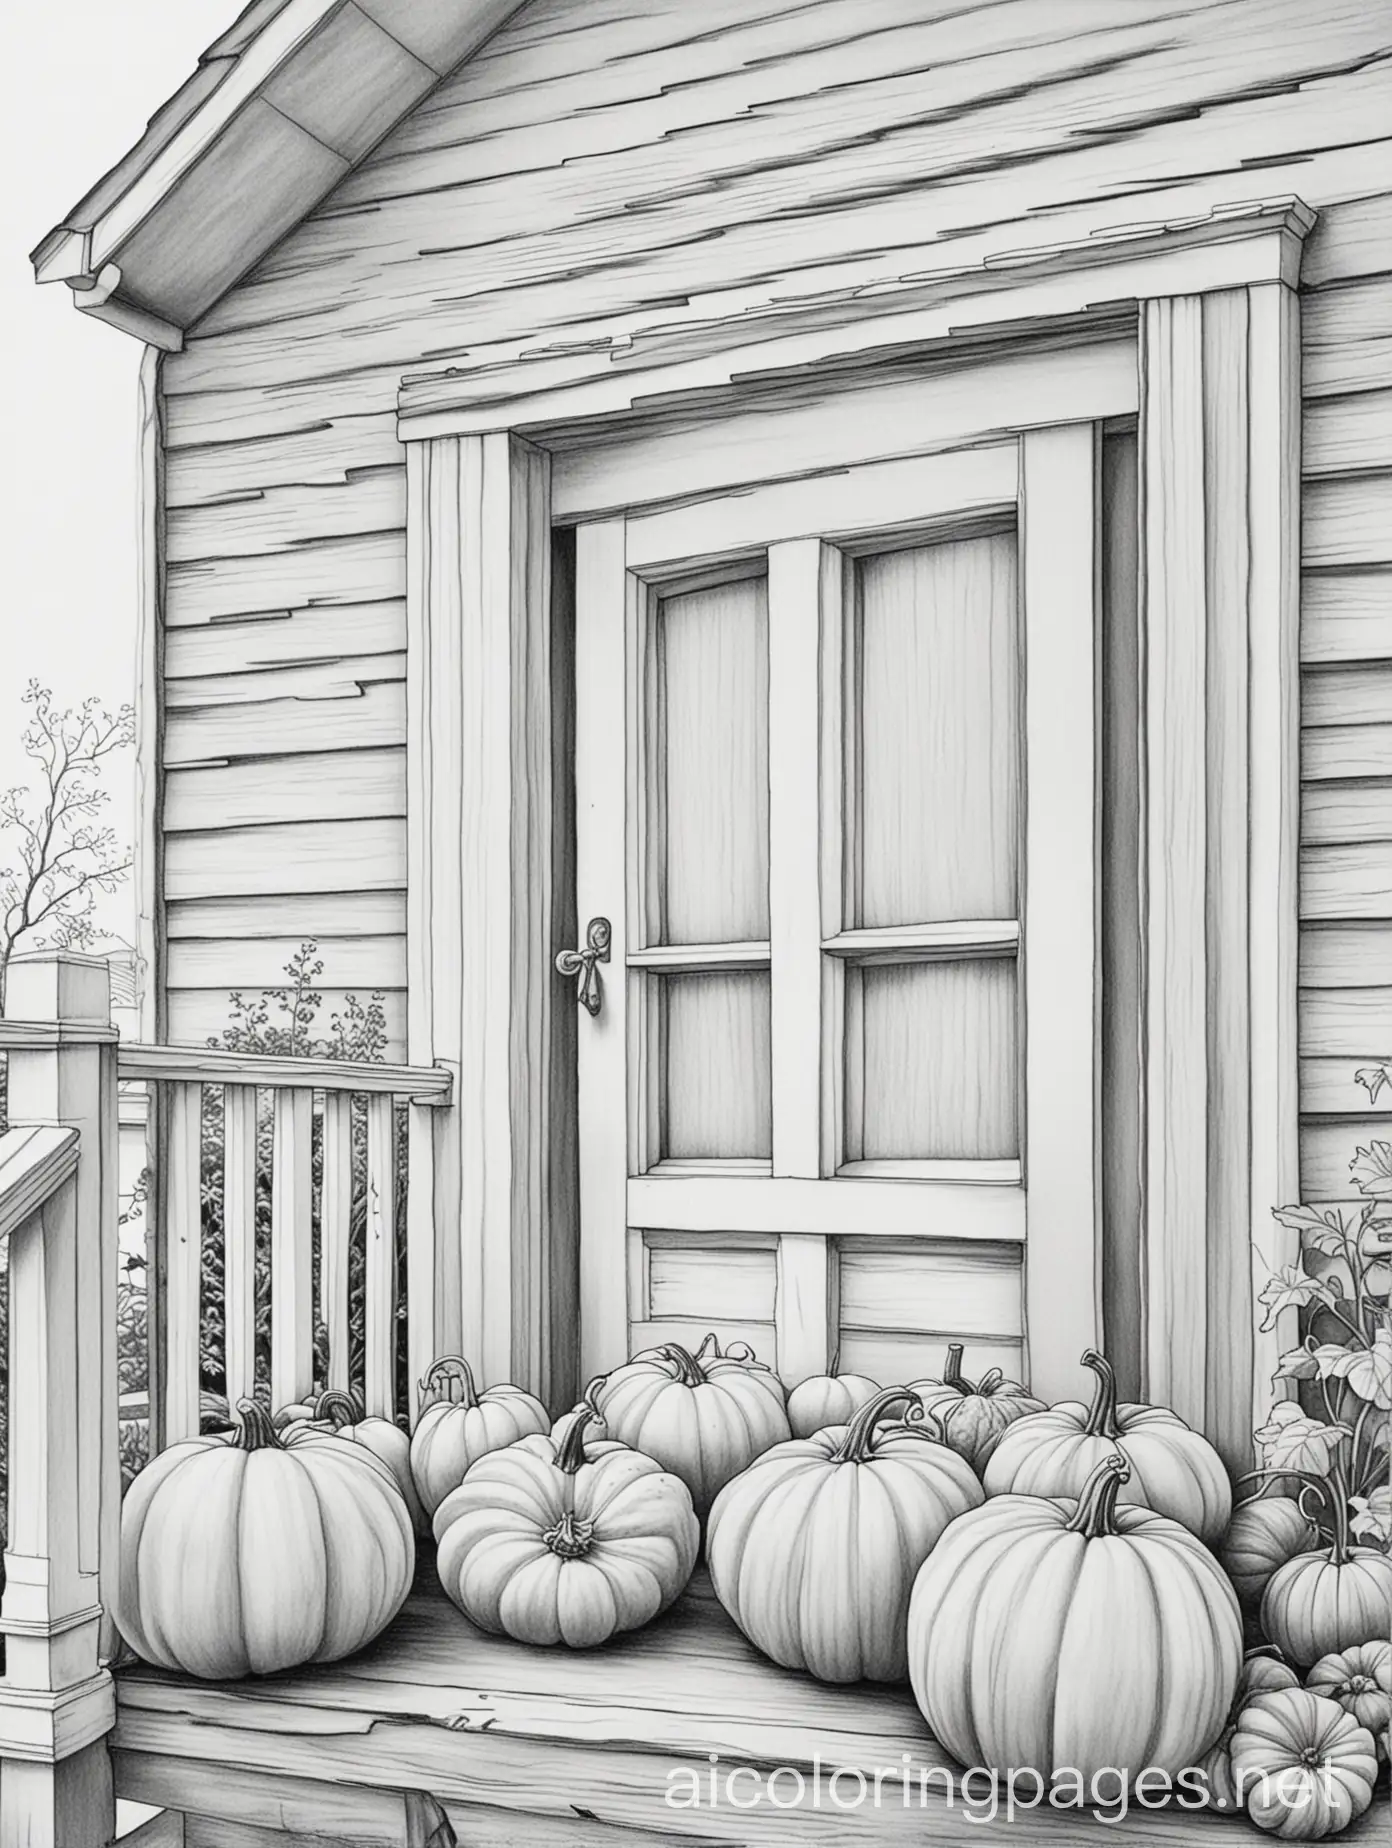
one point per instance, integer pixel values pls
(869, 522)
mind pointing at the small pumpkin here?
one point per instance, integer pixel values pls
(1060, 1633)
(1262, 1673)
(826, 1399)
(1172, 1469)
(584, 1407)
(246, 1557)
(1360, 1679)
(338, 1414)
(1262, 1535)
(566, 1543)
(813, 1549)
(974, 1418)
(1320, 1603)
(458, 1424)
(1305, 1768)
(705, 1416)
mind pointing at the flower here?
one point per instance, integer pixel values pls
(1371, 1169)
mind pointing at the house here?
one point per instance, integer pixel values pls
(868, 523)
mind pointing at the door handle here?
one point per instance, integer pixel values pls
(581, 963)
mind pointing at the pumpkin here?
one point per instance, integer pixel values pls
(1320, 1603)
(245, 1557)
(974, 1418)
(704, 1416)
(813, 1549)
(1304, 1768)
(584, 1407)
(1263, 1534)
(1172, 1469)
(1262, 1673)
(830, 1398)
(566, 1543)
(1360, 1679)
(458, 1424)
(1057, 1634)
(338, 1414)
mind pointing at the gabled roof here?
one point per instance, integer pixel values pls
(286, 103)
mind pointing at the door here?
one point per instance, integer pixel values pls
(836, 798)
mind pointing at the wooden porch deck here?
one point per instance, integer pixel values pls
(530, 1748)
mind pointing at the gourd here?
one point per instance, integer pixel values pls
(1112, 1634)
(338, 1414)
(705, 1416)
(830, 1398)
(245, 1557)
(1172, 1469)
(1360, 1679)
(813, 1549)
(1304, 1768)
(1263, 1534)
(1320, 1603)
(565, 1543)
(458, 1424)
(974, 1418)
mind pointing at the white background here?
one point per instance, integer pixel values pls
(79, 80)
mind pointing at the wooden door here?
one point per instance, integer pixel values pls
(836, 797)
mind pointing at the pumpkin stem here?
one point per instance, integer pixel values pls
(952, 1370)
(254, 1428)
(571, 1453)
(857, 1445)
(689, 1370)
(1102, 1419)
(449, 1381)
(341, 1407)
(990, 1382)
(1095, 1516)
(569, 1538)
(834, 1369)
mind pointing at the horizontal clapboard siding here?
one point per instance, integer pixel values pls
(197, 1015)
(902, 1302)
(298, 916)
(286, 858)
(327, 786)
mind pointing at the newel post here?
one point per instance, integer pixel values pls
(56, 1699)
(481, 985)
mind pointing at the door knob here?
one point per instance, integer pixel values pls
(581, 963)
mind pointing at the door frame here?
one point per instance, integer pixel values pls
(1210, 313)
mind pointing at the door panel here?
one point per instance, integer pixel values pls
(809, 1108)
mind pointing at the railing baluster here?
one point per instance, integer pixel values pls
(292, 1273)
(239, 1228)
(335, 1224)
(426, 1336)
(379, 1372)
(183, 1251)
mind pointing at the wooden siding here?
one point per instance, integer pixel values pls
(599, 162)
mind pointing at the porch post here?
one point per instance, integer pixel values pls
(479, 896)
(1220, 476)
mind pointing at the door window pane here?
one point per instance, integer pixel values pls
(933, 747)
(932, 1066)
(708, 766)
(714, 1065)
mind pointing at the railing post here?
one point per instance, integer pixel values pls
(56, 1698)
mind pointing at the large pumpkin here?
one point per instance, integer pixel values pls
(1172, 1469)
(458, 1424)
(338, 1414)
(1263, 1534)
(1303, 1767)
(704, 1416)
(826, 1399)
(565, 1543)
(813, 1549)
(245, 1557)
(974, 1417)
(1073, 1634)
(1319, 1603)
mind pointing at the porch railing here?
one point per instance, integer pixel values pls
(58, 1217)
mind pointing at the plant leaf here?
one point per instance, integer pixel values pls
(1368, 1370)
(1374, 1079)
(1290, 1288)
(1371, 1169)
(1372, 1515)
(1296, 1364)
(1322, 1229)
(1290, 1440)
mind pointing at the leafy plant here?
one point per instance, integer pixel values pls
(1334, 1437)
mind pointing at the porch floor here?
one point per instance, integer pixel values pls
(532, 1748)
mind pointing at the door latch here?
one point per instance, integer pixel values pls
(581, 963)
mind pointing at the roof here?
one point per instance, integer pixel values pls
(285, 104)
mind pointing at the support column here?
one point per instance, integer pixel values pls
(1220, 437)
(479, 898)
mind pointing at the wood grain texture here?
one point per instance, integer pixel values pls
(287, 638)
(1347, 522)
(198, 1015)
(362, 963)
(1346, 1023)
(1346, 813)
(181, 1200)
(379, 1272)
(239, 1106)
(1346, 955)
(330, 786)
(1346, 751)
(292, 1276)
(1346, 882)
(709, 1279)
(335, 1232)
(282, 728)
(1347, 338)
(286, 858)
(715, 1082)
(1346, 617)
(150, 669)
(969, 1290)
(301, 915)
(1347, 435)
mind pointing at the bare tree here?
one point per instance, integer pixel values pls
(55, 854)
